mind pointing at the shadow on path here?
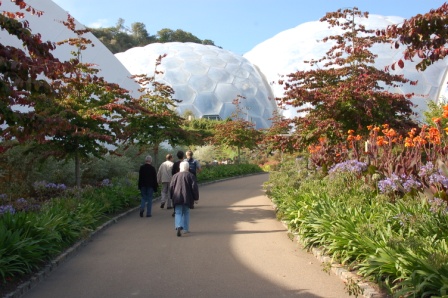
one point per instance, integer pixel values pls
(236, 248)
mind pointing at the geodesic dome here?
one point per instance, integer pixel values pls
(206, 79)
(285, 52)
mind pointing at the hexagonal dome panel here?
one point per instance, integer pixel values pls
(215, 77)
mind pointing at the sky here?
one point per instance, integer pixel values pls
(234, 25)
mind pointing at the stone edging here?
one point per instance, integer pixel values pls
(339, 270)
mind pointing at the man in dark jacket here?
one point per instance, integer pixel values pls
(184, 191)
(147, 184)
(176, 168)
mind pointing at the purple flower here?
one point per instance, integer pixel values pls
(106, 182)
(410, 183)
(21, 201)
(438, 178)
(437, 205)
(352, 166)
(426, 170)
(7, 208)
(389, 185)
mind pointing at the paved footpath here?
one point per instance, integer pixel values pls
(236, 248)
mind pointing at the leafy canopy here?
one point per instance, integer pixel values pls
(344, 90)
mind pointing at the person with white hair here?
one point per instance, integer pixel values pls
(147, 184)
(184, 192)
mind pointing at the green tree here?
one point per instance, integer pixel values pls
(140, 35)
(157, 121)
(168, 35)
(119, 38)
(236, 132)
(346, 91)
(198, 131)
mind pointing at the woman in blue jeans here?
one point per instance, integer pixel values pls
(147, 184)
(184, 191)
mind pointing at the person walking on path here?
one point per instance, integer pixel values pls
(147, 184)
(180, 155)
(164, 176)
(195, 166)
(184, 192)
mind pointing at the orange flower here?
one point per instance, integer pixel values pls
(351, 131)
(445, 111)
(380, 141)
(385, 126)
(434, 135)
(369, 127)
(412, 132)
(446, 130)
(408, 142)
(390, 133)
(436, 120)
(358, 138)
(419, 140)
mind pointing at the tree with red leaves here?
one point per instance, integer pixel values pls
(24, 75)
(62, 109)
(344, 90)
(424, 36)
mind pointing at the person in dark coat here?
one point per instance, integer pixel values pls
(184, 192)
(147, 184)
(180, 155)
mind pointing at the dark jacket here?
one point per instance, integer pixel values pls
(147, 177)
(175, 168)
(184, 189)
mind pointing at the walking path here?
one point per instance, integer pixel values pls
(236, 248)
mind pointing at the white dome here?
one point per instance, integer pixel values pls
(50, 26)
(206, 78)
(285, 52)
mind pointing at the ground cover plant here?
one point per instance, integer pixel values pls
(380, 209)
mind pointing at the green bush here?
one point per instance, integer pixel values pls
(214, 172)
(30, 238)
(401, 244)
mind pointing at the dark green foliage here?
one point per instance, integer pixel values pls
(215, 172)
(29, 239)
(120, 38)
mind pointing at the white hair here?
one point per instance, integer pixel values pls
(148, 159)
(184, 166)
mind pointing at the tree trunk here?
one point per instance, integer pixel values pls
(77, 170)
(239, 157)
(155, 161)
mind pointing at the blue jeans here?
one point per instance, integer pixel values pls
(147, 195)
(182, 217)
